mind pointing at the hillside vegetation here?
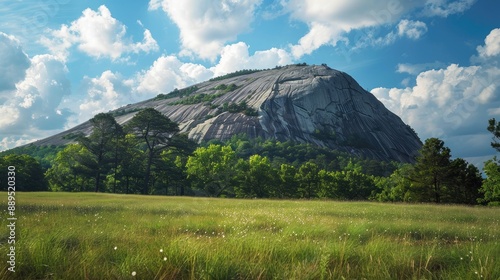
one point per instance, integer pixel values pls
(109, 236)
(149, 156)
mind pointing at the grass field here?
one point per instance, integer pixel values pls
(106, 236)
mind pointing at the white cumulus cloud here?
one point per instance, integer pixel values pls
(98, 34)
(236, 57)
(206, 26)
(167, 73)
(33, 109)
(41, 92)
(104, 93)
(13, 62)
(491, 45)
(448, 102)
(441, 101)
(412, 29)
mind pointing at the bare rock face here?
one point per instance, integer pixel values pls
(308, 104)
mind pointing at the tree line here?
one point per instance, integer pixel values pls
(149, 156)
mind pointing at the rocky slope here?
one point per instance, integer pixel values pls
(313, 104)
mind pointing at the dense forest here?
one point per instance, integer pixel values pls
(150, 156)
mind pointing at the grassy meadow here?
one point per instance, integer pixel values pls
(108, 236)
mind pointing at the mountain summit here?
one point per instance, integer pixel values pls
(308, 104)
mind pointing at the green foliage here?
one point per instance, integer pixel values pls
(212, 169)
(123, 111)
(177, 93)
(325, 135)
(358, 185)
(27, 173)
(494, 128)
(491, 186)
(432, 171)
(241, 107)
(465, 181)
(70, 171)
(156, 131)
(287, 186)
(308, 180)
(43, 154)
(72, 136)
(298, 153)
(226, 88)
(173, 174)
(130, 170)
(235, 74)
(434, 178)
(105, 134)
(197, 98)
(256, 178)
(154, 159)
(396, 187)
(346, 185)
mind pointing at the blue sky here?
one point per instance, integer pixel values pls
(435, 63)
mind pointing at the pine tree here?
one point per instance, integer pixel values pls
(99, 143)
(494, 128)
(432, 171)
(156, 131)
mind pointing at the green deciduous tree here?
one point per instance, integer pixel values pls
(213, 169)
(345, 185)
(256, 178)
(308, 180)
(396, 187)
(69, 171)
(491, 185)
(330, 184)
(358, 185)
(287, 185)
(28, 174)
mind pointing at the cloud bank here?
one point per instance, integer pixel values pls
(97, 34)
(206, 26)
(450, 102)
